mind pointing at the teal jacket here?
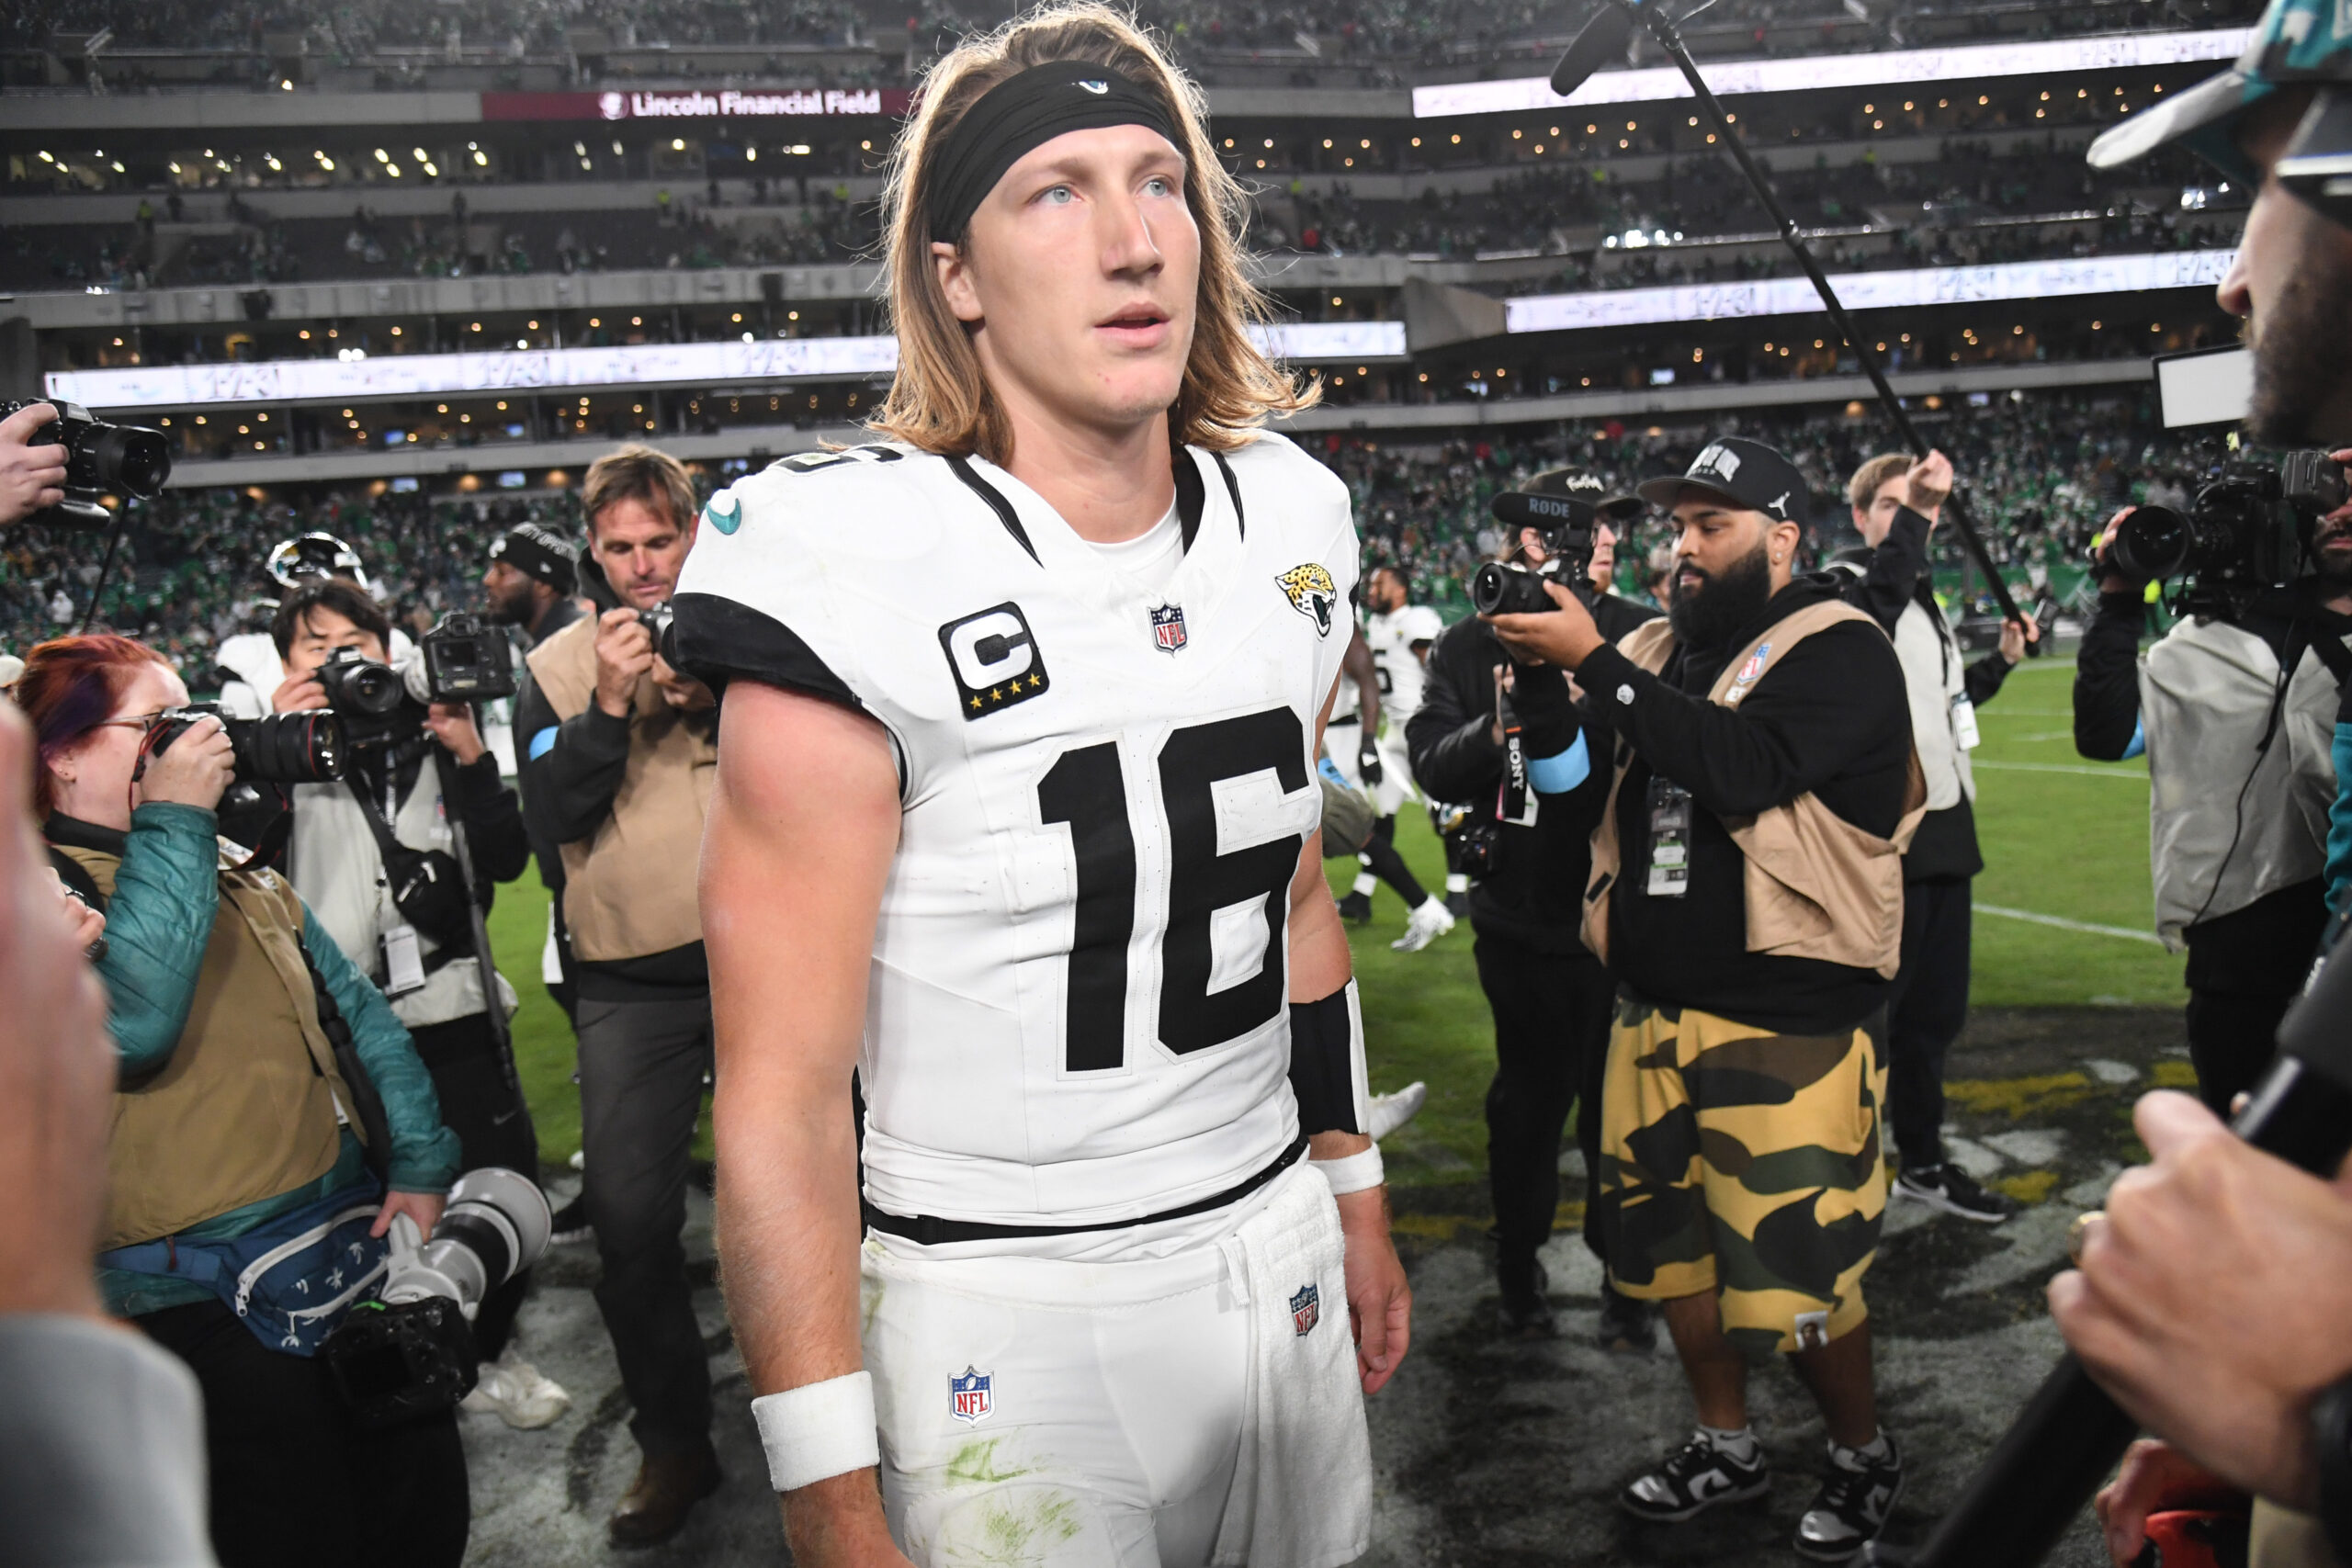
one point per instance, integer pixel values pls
(159, 923)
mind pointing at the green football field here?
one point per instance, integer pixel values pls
(2064, 920)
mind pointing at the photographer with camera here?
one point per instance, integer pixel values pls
(2208, 1297)
(248, 665)
(376, 858)
(1506, 735)
(1747, 893)
(2234, 709)
(619, 755)
(271, 1122)
(1897, 500)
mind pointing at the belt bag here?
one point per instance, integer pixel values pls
(289, 1279)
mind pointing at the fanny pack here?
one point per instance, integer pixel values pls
(290, 1280)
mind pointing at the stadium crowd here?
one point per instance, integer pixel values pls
(2043, 473)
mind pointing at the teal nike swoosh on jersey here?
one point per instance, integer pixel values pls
(725, 522)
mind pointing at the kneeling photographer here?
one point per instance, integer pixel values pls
(1504, 735)
(2234, 709)
(271, 1123)
(378, 857)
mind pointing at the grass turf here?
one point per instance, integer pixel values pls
(2069, 844)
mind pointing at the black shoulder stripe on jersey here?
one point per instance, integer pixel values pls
(1233, 489)
(717, 641)
(1192, 496)
(962, 468)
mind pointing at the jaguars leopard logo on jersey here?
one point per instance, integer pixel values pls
(1312, 593)
(1078, 1009)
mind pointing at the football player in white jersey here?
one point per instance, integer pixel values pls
(1016, 817)
(1398, 634)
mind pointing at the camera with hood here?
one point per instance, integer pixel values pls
(370, 698)
(2248, 530)
(100, 459)
(410, 1352)
(281, 748)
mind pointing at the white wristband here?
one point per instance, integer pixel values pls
(1352, 1173)
(818, 1429)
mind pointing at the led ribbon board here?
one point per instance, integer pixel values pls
(1907, 67)
(556, 369)
(1868, 291)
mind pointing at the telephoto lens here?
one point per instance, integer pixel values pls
(280, 747)
(410, 1352)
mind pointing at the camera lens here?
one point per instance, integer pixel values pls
(367, 688)
(2151, 544)
(1486, 588)
(130, 460)
(288, 748)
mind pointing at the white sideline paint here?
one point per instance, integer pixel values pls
(2062, 767)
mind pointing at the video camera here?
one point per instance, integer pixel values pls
(123, 459)
(410, 1352)
(2247, 530)
(1569, 526)
(282, 747)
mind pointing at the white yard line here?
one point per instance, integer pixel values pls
(2064, 768)
(2063, 924)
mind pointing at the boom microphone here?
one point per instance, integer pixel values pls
(1603, 39)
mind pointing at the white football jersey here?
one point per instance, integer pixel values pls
(1078, 1005)
(1391, 637)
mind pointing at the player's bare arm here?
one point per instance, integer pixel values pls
(804, 821)
(1380, 1301)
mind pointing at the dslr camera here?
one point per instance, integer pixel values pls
(463, 658)
(1568, 524)
(282, 747)
(371, 699)
(410, 1352)
(100, 459)
(2247, 531)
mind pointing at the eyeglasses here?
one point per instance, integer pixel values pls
(143, 721)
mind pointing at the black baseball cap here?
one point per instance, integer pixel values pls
(1748, 474)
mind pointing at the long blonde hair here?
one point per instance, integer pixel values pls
(940, 400)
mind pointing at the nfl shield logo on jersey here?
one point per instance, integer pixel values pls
(1306, 1308)
(969, 1398)
(1168, 626)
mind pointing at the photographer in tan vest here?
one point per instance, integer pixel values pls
(1747, 893)
(618, 755)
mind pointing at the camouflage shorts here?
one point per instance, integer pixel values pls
(1739, 1160)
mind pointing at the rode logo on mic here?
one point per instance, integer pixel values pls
(995, 660)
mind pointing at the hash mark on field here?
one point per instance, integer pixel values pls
(2091, 927)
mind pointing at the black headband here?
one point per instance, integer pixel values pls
(1019, 115)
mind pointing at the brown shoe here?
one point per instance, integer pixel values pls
(666, 1489)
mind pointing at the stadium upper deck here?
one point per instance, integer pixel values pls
(446, 267)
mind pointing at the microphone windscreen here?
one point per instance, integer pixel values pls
(1602, 41)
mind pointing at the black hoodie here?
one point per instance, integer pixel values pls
(1828, 717)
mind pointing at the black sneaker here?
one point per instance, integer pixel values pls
(1851, 1507)
(1526, 1311)
(1695, 1477)
(1626, 1323)
(1952, 1189)
(1356, 909)
(569, 1227)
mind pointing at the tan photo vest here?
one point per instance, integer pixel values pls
(1817, 885)
(630, 888)
(244, 1108)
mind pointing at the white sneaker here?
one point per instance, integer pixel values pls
(1390, 1111)
(1424, 926)
(518, 1392)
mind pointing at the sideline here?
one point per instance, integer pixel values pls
(2064, 924)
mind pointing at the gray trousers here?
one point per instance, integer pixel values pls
(641, 1067)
